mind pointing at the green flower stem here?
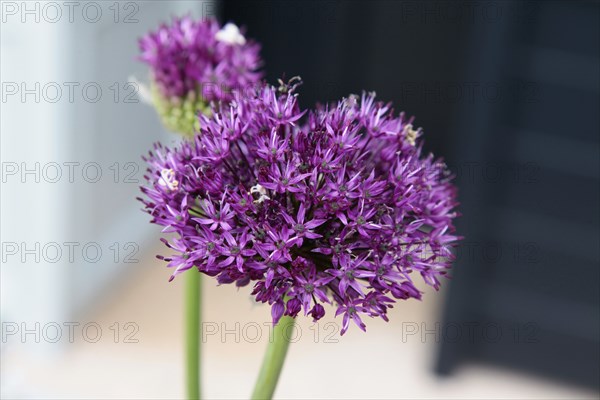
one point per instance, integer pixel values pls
(192, 333)
(273, 359)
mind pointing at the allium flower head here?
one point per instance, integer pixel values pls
(194, 63)
(335, 206)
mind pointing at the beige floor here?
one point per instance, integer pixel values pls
(321, 364)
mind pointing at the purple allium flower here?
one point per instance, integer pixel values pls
(194, 63)
(342, 208)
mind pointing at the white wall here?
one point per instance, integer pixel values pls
(47, 132)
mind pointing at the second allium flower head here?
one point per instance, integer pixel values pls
(339, 206)
(194, 63)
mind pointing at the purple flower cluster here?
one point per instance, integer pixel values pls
(337, 205)
(191, 56)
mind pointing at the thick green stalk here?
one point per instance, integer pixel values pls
(192, 334)
(273, 359)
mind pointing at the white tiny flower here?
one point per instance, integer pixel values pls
(258, 189)
(411, 134)
(230, 34)
(167, 179)
(261, 191)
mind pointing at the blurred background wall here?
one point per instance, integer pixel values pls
(506, 91)
(509, 93)
(73, 132)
